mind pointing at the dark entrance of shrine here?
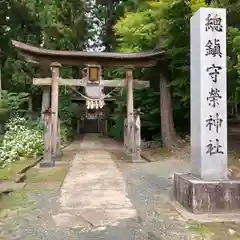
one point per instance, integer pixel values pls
(92, 122)
(89, 126)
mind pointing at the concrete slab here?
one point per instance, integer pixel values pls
(103, 198)
(94, 189)
(70, 220)
(108, 217)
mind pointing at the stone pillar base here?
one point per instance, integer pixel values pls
(199, 196)
(133, 158)
(47, 164)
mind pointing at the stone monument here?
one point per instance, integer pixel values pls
(207, 188)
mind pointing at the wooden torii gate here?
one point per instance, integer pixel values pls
(56, 58)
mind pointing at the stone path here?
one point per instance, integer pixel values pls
(94, 192)
(102, 197)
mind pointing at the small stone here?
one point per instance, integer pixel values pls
(231, 231)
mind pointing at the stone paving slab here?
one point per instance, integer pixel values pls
(96, 184)
(110, 217)
(95, 199)
(93, 217)
(94, 189)
(66, 219)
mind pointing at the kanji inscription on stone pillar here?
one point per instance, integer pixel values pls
(208, 94)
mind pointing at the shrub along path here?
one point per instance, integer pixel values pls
(102, 197)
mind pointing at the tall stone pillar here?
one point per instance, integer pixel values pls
(209, 94)
(207, 188)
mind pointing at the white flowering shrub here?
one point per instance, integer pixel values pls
(20, 141)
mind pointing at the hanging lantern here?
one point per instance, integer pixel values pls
(47, 116)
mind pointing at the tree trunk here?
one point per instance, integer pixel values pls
(167, 125)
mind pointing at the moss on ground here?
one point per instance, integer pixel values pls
(216, 231)
(10, 171)
(50, 175)
(13, 200)
(47, 175)
(37, 178)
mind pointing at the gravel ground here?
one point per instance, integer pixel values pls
(148, 186)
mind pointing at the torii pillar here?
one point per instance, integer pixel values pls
(55, 68)
(130, 107)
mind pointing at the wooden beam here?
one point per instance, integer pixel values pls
(137, 84)
(62, 82)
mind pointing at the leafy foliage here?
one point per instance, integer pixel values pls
(11, 103)
(166, 24)
(20, 141)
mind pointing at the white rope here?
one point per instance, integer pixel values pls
(91, 99)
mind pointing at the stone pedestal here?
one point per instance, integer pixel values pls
(200, 196)
(47, 162)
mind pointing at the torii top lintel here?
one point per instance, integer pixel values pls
(78, 58)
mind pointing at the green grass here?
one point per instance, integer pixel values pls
(10, 171)
(13, 200)
(51, 175)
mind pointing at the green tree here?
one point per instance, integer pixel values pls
(164, 24)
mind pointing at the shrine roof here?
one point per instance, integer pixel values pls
(77, 58)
